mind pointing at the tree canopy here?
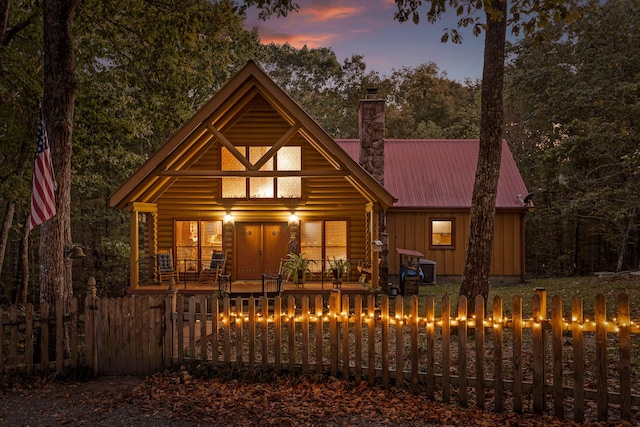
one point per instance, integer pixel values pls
(574, 96)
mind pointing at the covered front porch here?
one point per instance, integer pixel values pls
(247, 288)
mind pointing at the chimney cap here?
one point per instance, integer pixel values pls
(372, 92)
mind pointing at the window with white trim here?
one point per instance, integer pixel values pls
(442, 233)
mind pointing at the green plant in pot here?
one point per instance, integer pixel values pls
(295, 267)
(339, 268)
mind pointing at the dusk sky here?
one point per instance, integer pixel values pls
(367, 27)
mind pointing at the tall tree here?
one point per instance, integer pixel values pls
(526, 14)
(58, 108)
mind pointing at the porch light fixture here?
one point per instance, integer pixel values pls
(293, 218)
(228, 218)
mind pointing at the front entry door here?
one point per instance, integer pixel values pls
(259, 248)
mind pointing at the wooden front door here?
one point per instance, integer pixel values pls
(259, 248)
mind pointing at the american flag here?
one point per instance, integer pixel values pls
(43, 199)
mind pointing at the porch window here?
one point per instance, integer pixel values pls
(195, 242)
(263, 187)
(442, 232)
(323, 240)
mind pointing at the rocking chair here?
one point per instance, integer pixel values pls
(215, 269)
(165, 265)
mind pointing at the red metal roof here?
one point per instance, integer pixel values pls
(440, 172)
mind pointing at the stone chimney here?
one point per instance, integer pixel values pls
(371, 128)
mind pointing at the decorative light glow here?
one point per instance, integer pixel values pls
(293, 218)
(228, 218)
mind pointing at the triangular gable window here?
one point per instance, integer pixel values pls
(262, 183)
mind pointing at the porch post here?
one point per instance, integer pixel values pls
(133, 245)
(149, 242)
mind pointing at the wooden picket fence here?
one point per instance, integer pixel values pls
(540, 364)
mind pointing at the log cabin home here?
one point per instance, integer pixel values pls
(252, 176)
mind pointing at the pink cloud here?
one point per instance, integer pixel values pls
(298, 41)
(329, 12)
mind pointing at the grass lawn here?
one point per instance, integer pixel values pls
(586, 287)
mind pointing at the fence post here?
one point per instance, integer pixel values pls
(60, 335)
(371, 338)
(226, 328)
(191, 319)
(497, 354)
(556, 356)
(277, 332)
(264, 334)
(384, 316)
(44, 337)
(28, 339)
(358, 337)
(344, 316)
(601, 357)
(431, 352)
(334, 300)
(305, 334)
(291, 329)
(169, 326)
(516, 313)
(414, 343)
(479, 338)
(318, 305)
(577, 319)
(399, 313)
(462, 351)
(215, 330)
(537, 342)
(624, 338)
(252, 332)
(203, 309)
(446, 349)
(239, 326)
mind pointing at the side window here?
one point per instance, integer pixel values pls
(442, 233)
(195, 241)
(323, 240)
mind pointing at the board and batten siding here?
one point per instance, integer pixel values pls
(410, 230)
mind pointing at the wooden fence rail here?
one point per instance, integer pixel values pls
(543, 363)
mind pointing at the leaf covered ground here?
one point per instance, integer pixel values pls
(177, 399)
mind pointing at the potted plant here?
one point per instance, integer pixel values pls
(295, 267)
(338, 268)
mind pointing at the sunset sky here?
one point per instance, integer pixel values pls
(367, 27)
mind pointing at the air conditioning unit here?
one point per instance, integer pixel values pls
(428, 268)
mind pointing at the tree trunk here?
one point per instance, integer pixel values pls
(626, 238)
(475, 276)
(58, 106)
(22, 282)
(6, 226)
